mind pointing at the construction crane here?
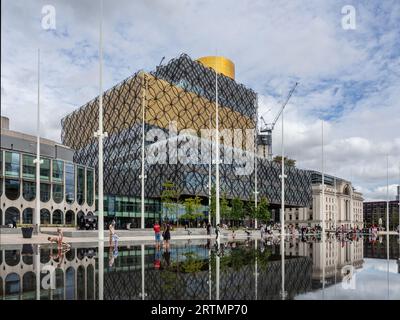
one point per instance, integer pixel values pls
(265, 136)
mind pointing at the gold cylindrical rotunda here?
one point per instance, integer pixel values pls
(220, 64)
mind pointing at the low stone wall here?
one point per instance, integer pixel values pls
(11, 231)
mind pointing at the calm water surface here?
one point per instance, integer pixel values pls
(361, 268)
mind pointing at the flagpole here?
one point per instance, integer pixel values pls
(217, 208)
(37, 161)
(100, 134)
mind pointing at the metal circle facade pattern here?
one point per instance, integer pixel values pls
(182, 91)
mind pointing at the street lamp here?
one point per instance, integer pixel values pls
(100, 134)
(38, 161)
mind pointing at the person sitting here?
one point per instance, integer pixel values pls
(58, 239)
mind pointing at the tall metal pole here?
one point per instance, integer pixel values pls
(387, 196)
(334, 207)
(100, 271)
(255, 167)
(283, 176)
(143, 294)
(217, 271)
(323, 210)
(209, 274)
(37, 161)
(37, 269)
(323, 179)
(256, 272)
(216, 150)
(398, 196)
(209, 176)
(100, 134)
(142, 175)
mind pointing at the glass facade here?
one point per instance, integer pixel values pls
(58, 171)
(12, 164)
(28, 167)
(80, 185)
(45, 170)
(89, 187)
(44, 216)
(27, 215)
(58, 192)
(29, 190)
(12, 187)
(44, 192)
(69, 183)
(59, 181)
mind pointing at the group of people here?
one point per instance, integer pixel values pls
(165, 233)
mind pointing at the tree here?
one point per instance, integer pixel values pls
(263, 212)
(192, 209)
(212, 208)
(170, 198)
(224, 207)
(237, 209)
(288, 162)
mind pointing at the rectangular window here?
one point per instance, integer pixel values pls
(28, 167)
(12, 160)
(80, 183)
(69, 183)
(45, 170)
(89, 186)
(58, 171)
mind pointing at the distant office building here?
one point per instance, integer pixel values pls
(375, 212)
(343, 205)
(66, 188)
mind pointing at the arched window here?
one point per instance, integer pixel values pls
(29, 190)
(44, 192)
(90, 282)
(27, 216)
(69, 183)
(59, 291)
(70, 284)
(12, 189)
(80, 184)
(29, 286)
(58, 192)
(81, 283)
(12, 257)
(80, 220)
(45, 254)
(1, 217)
(13, 286)
(44, 216)
(58, 217)
(70, 217)
(12, 214)
(89, 187)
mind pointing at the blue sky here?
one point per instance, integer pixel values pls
(350, 78)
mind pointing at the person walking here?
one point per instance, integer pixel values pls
(157, 235)
(208, 228)
(113, 236)
(167, 236)
(217, 230)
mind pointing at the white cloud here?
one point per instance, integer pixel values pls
(351, 77)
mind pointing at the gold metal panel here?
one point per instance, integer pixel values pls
(164, 103)
(220, 64)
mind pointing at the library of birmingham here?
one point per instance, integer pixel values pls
(172, 112)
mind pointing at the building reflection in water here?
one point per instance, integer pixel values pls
(30, 272)
(237, 270)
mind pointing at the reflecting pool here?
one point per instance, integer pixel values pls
(298, 268)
